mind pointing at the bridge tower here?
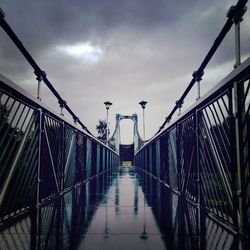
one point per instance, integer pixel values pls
(115, 139)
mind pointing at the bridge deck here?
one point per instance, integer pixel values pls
(118, 222)
(121, 209)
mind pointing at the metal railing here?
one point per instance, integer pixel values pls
(42, 156)
(203, 156)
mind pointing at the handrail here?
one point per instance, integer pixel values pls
(41, 75)
(234, 15)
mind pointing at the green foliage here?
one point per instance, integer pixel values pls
(101, 128)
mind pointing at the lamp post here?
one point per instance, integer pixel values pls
(107, 105)
(144, 234)
(143, 105)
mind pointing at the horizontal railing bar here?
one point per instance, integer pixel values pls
(221, 87)
(16, 92)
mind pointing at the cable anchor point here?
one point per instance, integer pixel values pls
(40, 75)
(76, 119)
(62, 104)
(197, 75)
(179, 105)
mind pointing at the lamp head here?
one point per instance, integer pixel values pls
(143, 104)
(108, 104)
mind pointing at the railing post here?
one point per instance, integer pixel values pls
(77, 169)
(199, 198)
(196, 129)
(59, 202)
(241, 192)
(63, 142)
(233, 152)
(178, 156)
(39, 180)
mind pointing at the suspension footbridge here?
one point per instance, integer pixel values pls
(189, 187)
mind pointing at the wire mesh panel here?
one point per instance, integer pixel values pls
(150, 158)
(172, 158)
(52, 156)
(214, 154)
(217, 237)
(243, 143)
(69, 157)
(18, 155)
(94, 158)
(88, 158)
(107, 159)
(98, 154)
(67, 218)
(146, 161)
(48, 226)
(80, 157)
(153, 160)
(103, 159)
(21, 230)
(41, 156)
(158, 159)
(246, 146)
(187, 158)
(164, 158)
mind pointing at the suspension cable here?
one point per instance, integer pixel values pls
(234, 14)
(37, 70)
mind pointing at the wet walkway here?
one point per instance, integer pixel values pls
(123, 219)
(122, 209)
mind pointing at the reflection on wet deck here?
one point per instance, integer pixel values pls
(119, 221)
(121, 209)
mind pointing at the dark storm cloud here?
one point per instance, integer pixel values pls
(150, 49)
(41, 23)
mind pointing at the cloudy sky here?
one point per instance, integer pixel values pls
(118, 50)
